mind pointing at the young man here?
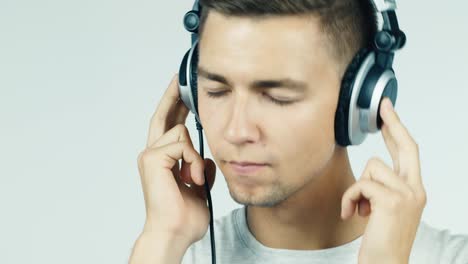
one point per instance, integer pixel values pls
(269, 76)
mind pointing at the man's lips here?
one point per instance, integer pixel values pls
(246, 167)
(247, 163)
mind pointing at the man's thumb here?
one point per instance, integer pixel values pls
(210, 172)
(210, 169)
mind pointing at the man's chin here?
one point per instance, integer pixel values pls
(260, 199)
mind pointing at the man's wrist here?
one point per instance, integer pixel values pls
(158, 248)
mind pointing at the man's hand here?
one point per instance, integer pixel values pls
(175, 200)
(394, 198)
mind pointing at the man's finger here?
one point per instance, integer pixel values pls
(175, 134)
(169, 111)
(392, 148)
(407, 152)
(210, 171)
(373, 191)
(377, 170)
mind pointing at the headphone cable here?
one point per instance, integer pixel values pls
(208, 194)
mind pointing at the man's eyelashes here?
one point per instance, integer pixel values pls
(271, 99)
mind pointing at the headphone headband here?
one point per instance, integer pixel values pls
(384, 5)
(196, 6)
(390, 38)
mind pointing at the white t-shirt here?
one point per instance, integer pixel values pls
(235, 244)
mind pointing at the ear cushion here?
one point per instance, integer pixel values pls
(193, 76)
(346, 90)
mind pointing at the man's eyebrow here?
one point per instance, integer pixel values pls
(286, 83)
(259, 84)
(211, 76)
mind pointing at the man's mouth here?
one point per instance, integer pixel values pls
(246, 167)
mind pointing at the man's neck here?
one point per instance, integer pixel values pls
(310, 219)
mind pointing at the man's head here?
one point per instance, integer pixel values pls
(275, 68)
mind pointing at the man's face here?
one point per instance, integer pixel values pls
(250, 62)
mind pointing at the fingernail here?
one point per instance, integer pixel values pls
(389, 104)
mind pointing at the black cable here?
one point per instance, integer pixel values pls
(208, 195)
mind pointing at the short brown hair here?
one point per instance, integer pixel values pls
(348, 24)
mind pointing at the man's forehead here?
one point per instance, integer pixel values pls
(241, 36)
(279, 24)
(262, 50)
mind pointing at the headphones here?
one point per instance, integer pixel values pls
(367, 80)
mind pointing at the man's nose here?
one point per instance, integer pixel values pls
(241, 126)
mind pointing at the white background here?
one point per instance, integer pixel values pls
(79, 81)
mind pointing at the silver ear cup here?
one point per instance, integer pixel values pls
(186, 85)
(365, 120)
(355, 133)
(184, 90)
